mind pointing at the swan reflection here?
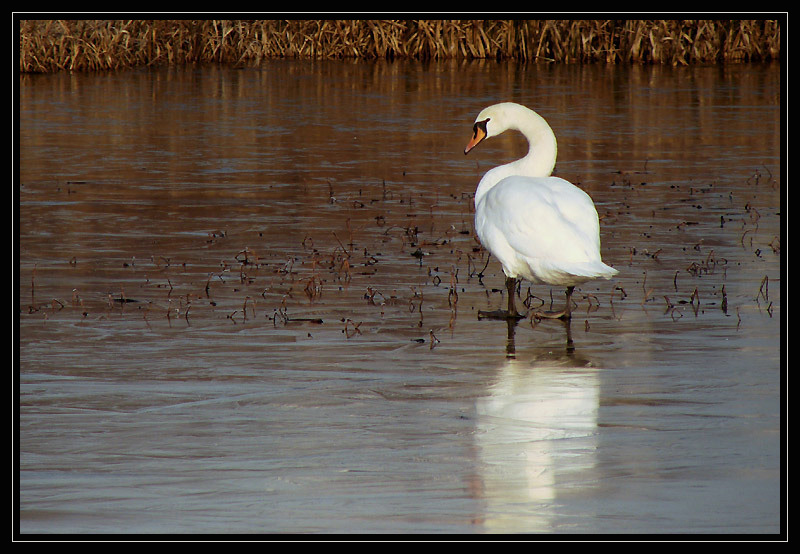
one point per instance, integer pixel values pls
(536, 437)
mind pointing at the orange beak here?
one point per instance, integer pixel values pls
(479, 135)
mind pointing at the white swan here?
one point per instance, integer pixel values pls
(541, 228)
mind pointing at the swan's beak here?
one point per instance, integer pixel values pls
(479, 135)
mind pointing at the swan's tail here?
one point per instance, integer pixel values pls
(574, 273)
(604, 271)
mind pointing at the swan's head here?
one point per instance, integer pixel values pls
(497, 119)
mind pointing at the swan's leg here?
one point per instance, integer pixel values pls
(511, 313)
(511, 286)
(568, 308)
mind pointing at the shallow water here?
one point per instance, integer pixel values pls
(248, 304)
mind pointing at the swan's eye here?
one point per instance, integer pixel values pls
(480, 125)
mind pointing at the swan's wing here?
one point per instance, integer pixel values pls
(544, 226)
(544, 218)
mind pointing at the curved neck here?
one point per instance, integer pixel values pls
(542, 147)
(538, 162)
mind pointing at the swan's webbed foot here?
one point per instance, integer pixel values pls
(511, 313)
(500, 314)
(563, 315)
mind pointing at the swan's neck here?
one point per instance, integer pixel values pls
(538, 162)
(542, 147)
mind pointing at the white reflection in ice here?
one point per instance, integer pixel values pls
(536, 439)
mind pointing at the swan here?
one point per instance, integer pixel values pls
(543, 229)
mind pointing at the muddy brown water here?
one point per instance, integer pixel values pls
(248, 304)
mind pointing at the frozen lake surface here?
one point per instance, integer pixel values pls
(248, 304)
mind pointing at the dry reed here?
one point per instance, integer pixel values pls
(89, 45)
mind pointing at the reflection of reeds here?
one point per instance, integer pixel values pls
(86, 45)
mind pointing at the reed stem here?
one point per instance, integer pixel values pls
(100, 45)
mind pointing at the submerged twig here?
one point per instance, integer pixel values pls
(434, 340)
(763, 289)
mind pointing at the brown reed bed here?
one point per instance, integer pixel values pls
(91, 45)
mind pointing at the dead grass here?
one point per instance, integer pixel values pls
(92, 45)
